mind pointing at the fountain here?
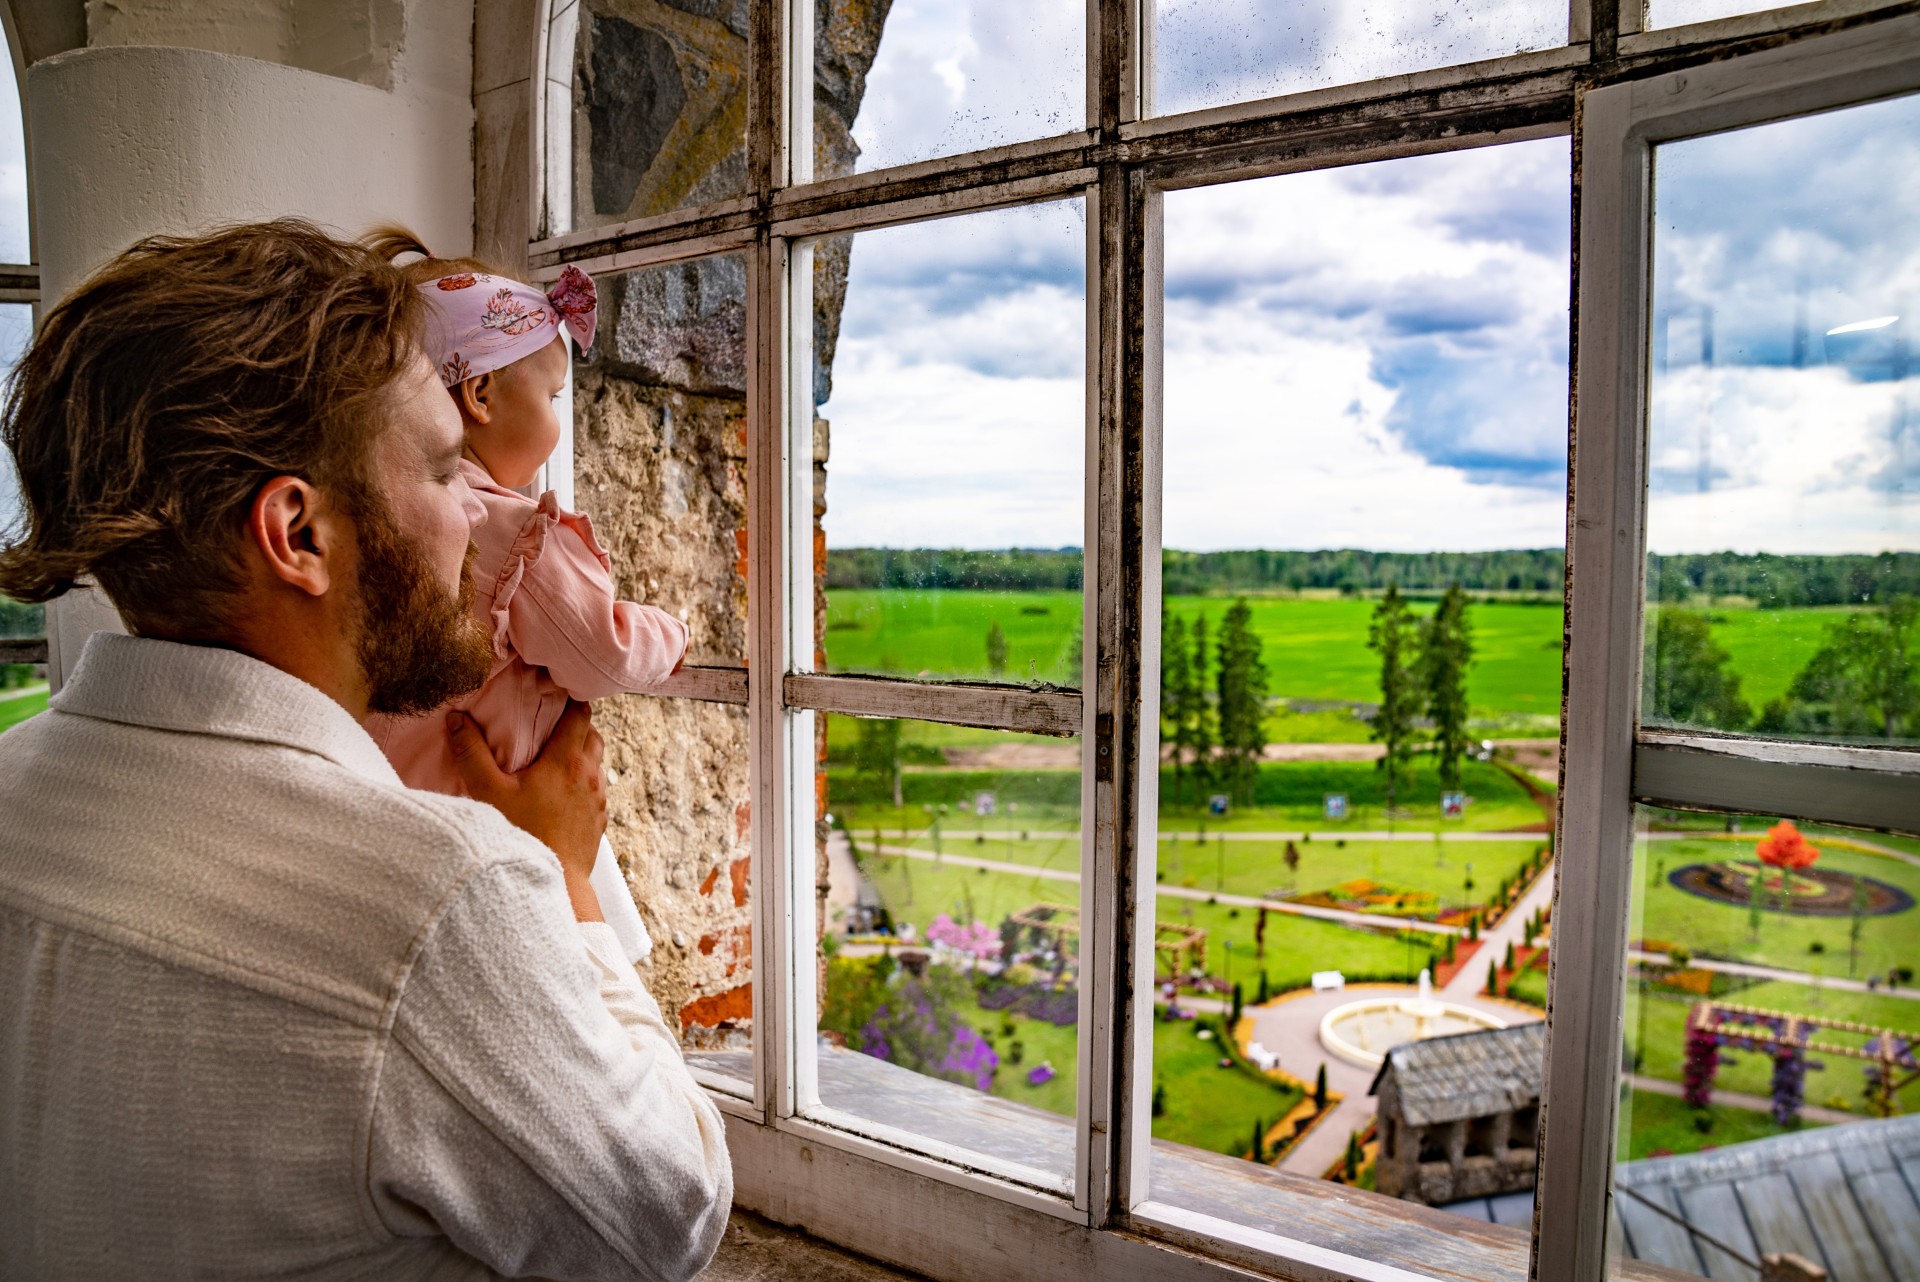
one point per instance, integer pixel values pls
(1362, 1032)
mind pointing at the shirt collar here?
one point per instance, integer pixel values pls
(195, 689)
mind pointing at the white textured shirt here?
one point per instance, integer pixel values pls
(265, 1012)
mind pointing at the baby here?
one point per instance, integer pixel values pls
(542, 583)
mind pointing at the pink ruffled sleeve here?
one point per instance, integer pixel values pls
(554, 606)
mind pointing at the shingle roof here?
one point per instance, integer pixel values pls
(1448, 1079)
(1842, 1196)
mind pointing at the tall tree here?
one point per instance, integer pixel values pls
(1446, 648)
(1203, 713)
(1391, 636)
(878, 753)
(1241, 681)
(1179, 693)
(996, 647)
(1686, 678)
(1864, 682)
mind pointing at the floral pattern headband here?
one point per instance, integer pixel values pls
(487, 322)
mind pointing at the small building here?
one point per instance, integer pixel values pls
(1459, 1115)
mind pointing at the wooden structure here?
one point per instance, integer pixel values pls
(1459, 1115)
(1183, 947)
(1889, 1052)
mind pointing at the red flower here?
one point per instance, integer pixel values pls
(573, 294)
(1784, 847)
(464, 280)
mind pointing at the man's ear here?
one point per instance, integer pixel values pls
(476, 397)
(298, 537)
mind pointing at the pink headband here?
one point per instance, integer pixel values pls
(489, 322)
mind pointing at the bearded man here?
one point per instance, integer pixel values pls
(263, 1010)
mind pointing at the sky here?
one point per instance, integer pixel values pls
(1373, 356)
(16, 319)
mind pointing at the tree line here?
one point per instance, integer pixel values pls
(1213, 703)
(20, 620)
(1423, 674)
(1863, 682)
(1768, 580)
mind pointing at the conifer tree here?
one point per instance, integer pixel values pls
(1241, 680)
(878, 754)
(1446, 649)
(1391, 636)
(1179, 698)
(1320, 1089)
(1203, 719)
(996, 648)
(1493, 978)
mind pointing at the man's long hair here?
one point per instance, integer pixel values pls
(165, 391)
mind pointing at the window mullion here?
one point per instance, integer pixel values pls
(1601, 682)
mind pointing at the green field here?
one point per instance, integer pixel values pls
(14, 711)
(1314, 648)
(1663, 1124)
(1665, 914)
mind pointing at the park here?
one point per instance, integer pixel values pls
(1309, 865)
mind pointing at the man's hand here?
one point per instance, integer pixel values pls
(561, 798)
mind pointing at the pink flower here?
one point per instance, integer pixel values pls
(509, 315)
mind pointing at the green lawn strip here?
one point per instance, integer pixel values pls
(1208, 1106)
(1295, 947)
(1290, 796)
(1259, 867)
(1665, 913)
(916, 891)
(1037, 1042)
(1768, 648)
(14, 711)
(1839, 1081)
(942, 634)
(1529, 986)
(1650, 1123)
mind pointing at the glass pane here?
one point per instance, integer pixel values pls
(1208, 53)
(950, 1008)
(680, 820)
(1676, 13)
(1783, 576)
(957, 416)
(923, 78)
(1769, 1049)
(1364, 507)
(659, 445)
(23, 686)
(13, 177)
(659, 107)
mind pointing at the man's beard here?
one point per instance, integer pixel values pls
(419, 644)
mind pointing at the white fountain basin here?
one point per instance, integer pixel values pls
(1362, 1032)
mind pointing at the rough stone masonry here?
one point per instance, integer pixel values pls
(660, 110)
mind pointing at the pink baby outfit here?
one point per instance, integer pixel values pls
(545, 589)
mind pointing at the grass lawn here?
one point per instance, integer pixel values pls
(1769, 647)
(1208, 1106)
(1259, 867)
(1650, 1122)
(1837, 1083)
(1037, 1042)
(939, 634)
(1291, 795)
(916, 891)
(14, 711)
(1662, 912)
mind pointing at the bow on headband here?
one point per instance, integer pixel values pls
(485, 323)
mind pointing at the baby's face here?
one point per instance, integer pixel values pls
(521, 429)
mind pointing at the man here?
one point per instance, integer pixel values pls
(263, 1011)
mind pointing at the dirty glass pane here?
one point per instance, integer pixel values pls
(1208, 53)
(1363, 512)
(13, 173)
(659, 445)
(659, 106)
(680, 821)
(23, 686)
(1676, 13)
(915, 79)
(950, 397)
(1783, 519)
(950, 1007)
(1768, 1073)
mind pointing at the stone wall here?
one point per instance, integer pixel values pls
(660, 452)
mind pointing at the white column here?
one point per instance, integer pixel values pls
(130, 141)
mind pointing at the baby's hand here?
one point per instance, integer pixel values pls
(561, 798)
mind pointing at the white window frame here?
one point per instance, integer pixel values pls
(1612, 764)
(952, 1214)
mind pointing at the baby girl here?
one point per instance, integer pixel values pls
(542, 583)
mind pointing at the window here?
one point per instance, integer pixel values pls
(1028, 396)
(23, 628)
